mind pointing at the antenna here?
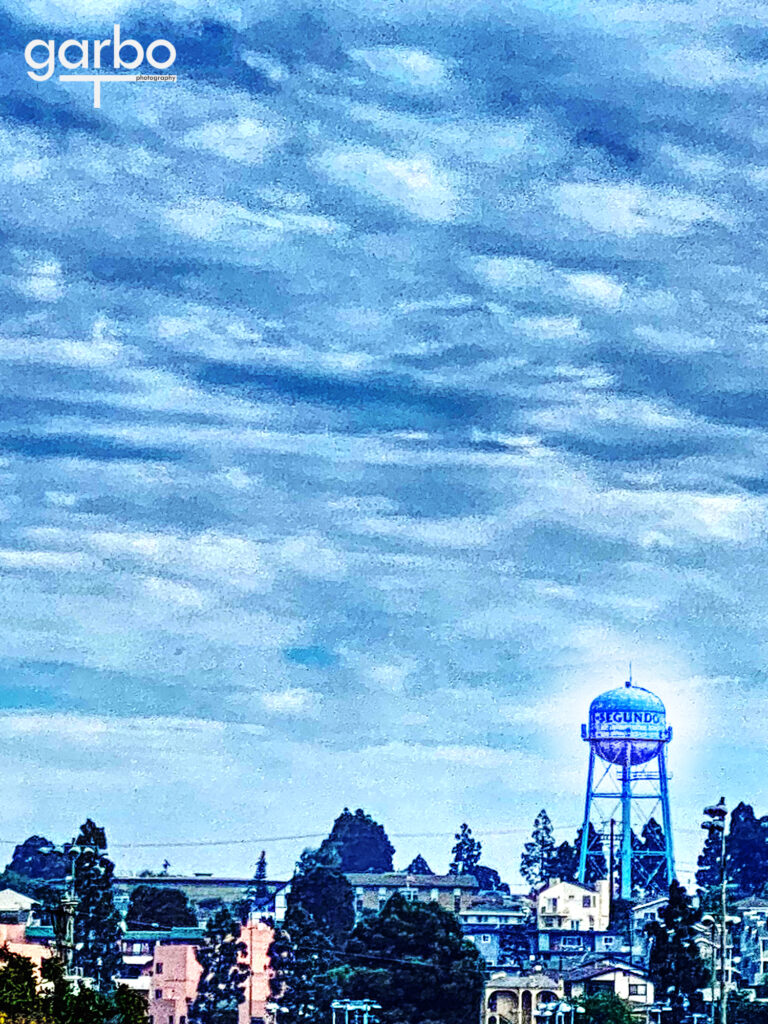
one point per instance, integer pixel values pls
(630, 674)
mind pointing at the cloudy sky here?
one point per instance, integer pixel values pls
(371, 396)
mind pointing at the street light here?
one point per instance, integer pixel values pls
(715, 826)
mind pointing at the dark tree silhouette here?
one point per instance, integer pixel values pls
(466, 852)
(360, 843)
(675, 966)
(154, 907)
(221, 988)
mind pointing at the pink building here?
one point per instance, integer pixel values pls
(175, 972)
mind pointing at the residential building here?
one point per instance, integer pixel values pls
(510, 998)
(16, 910)
(173, 978)
(499, 925)
(570, 906)
(203, 891)
(452, 892)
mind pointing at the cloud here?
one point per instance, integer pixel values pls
(413, 184)
(405, 68)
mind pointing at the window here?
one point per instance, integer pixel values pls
(456, 904)
(158, 968)
(485, 938)
(575, 926)
(637, 990)
(182, 1019)
(591, 924)
(553, 905)
(158, 993)
(410, 894)
(170, 1019)
(586, 901)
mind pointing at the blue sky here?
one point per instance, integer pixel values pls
(371, 396)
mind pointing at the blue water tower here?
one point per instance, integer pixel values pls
(628, 732)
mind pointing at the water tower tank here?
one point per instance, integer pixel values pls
(629, 720)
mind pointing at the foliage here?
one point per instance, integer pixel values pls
(319, 917)
(605, 1008)
(155, 907)
(97, 922)
(221, 987)
(29, 861)
(564, 863)
(743, 1010)
(18, 984)
(649, 877)
(747, 851)
(539, 854)
(260, 890)
(360, 843)
(489, 879)
(466, 852)
(23, 1002)
(413, 960)
(419, 866)
(675, 966)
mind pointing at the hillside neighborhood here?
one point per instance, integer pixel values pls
(349, 937)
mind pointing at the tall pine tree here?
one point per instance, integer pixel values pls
(221, 988)
(538, 856)
(97, 921)
(466, 852)
(675, 966)
(319, 918)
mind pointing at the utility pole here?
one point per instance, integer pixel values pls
(715, 825)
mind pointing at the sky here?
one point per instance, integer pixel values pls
(371, 396)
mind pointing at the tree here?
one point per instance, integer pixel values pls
(360, 843)
(419, 866)
(18, 984)
(97, 922)
(675, 966)
(708, 876)
(605, 1008)
(221, 988)
(130, 1006)
(163, 908)
(260, 890)
(650, 875)
(413, 960)
(489, 879)
(466, 852)
(565, 862)
(747, 851)
(29, 861)
(318, 920)
(539, 854)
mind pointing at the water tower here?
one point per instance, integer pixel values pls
(628, 736)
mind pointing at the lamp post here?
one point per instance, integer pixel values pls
(716, 817)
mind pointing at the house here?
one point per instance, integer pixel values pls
(16, 910)
(555, 946)
(451, 892)
(511, 998)
(498, 924)
(571, 906)
(615, 976)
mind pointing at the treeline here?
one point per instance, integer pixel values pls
(543, 859)
(746, 854)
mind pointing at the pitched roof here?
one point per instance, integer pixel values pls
(594, 970)
(11, 901)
